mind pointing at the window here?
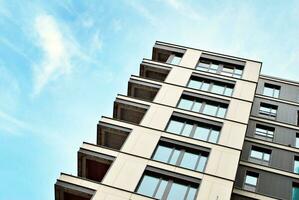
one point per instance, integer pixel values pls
(295, 191)
(199, 131)
(175, 60)
(296, 165)
(203, 106)
(166, 188)
(268, 110)
(181, 156)
(271, 90)
(264, 131)
(213, 66)
(251, 180)
(260, 154)
(211, 86)
(297, 140)
(298, 118)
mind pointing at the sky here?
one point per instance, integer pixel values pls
(62, 63)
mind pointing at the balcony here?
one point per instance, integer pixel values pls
(67, 191)
(93, 165)
(142, 90)
(129, 111)
(111, 136)
(154, 72)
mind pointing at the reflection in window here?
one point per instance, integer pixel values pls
(212, 66)
(251, 180)
(194, 130)
(296, 165)
(167, 188)
(211, 86)
(295, 191)
(297, 140)
(260, 154)
(189, 158)
(271, 90)
(268, 110)
(203, 106)
(264, 131)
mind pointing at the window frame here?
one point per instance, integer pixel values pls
(270, 107)
(263, 151)
(250, 187)
(204, 103)
(296, 145)
(267, 130)
(195, 125)
(161, 175)
(273, 88)
(199, 152)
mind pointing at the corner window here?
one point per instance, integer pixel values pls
(193, 159)
(260, 154)
(296, 164)
(199, 131)
(251, 180)
(268, 110)
(265, 132)
(166, 188)
(203, 106)
(271, 90)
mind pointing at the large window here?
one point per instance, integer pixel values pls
(265, 132)
(166, 188)
(271, 90)
(268, 110)
(226, 69)
(211, 86)
(200, 131)
(251, 181)
(203, 106)
(181, 156)
(260, 154)
(296, 164)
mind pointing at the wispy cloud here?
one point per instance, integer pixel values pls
(57, 52)
(10, 124)
(184, 9)
(143, 11)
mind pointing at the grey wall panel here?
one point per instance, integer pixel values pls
(269, 184)
(282, 135)
(287, 92)
(286, 113)
(280, 159)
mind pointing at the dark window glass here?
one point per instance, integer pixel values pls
(297, 140)
(295, 192)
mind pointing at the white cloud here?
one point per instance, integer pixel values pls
(143, 11)
(57, 49)
(184, 9)
(11, 124)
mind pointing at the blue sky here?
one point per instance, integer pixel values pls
(63, 62)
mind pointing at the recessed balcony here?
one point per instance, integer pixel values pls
(142, 90)
(93, 165)
(129, 111)
(66, 191)
(154, 72)
(111, 136)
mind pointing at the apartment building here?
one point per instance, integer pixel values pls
(194, 125)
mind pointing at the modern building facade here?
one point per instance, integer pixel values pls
(194, 125)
